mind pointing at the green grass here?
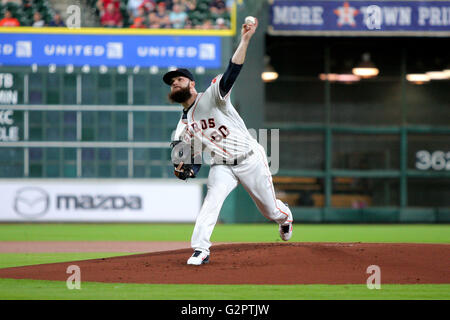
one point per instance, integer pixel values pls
(8, 260)
(225, 233)
(57, 290)
(54, 290)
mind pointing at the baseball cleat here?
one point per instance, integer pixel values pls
(198, 258)
(286, 232)
(286, 228)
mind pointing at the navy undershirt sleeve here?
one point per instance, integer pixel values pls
(196, 168)
(229, 77)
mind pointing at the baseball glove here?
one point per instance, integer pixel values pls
(183, 160)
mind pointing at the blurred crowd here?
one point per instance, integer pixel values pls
(157, 14)
(34, 13)
(174, 14)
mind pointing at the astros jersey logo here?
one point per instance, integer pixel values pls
(346, 15)
(216, 135)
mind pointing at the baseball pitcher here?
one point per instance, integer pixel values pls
(210, 123)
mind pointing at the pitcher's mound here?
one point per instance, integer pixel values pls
(263, 263)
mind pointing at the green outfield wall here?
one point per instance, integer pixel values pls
(376, 150)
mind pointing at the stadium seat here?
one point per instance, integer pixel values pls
(203, 7)
(13, 7)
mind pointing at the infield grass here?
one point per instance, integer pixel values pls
(267, 232)
(9, 260)
(57, 290)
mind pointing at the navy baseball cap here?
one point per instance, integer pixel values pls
(178, 72)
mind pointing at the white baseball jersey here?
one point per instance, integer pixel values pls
(214, 122)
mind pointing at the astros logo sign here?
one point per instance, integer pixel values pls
(346, 15)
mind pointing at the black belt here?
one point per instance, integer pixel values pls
(237, 160)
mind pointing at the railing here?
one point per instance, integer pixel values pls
(77, 142)
(402, 173)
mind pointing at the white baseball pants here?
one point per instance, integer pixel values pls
(254, 175)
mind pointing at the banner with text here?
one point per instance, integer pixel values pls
(99, 201)
(360, 17)
(117, 50)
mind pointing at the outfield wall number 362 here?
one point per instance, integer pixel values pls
(437, 160)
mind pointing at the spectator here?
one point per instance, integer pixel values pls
(57, 21)
(207, 25)
(181, 3)
(133, 6)
(221, 24)
(177, 17)
(145, 22)
(136, 6)
(154, 24)
(138, 23)
(190, 4)
(9, 20)
(160, 18)
(103, 4)
(111, 17)
(140, 13)
(149, 5)
(38, 22)
(217, 7)
(168, 3)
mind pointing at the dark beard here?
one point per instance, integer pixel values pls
(181, 95)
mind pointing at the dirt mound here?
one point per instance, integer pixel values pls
(263, 263)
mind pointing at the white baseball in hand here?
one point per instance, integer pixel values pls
(250, 20)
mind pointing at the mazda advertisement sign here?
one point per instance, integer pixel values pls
(99, 201)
